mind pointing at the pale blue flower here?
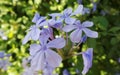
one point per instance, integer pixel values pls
(67, 14)
(87, 59)
(78, 28)
(4, 64)
(94, 6)
(86, 11)
(2, 54)
(42, 53)
(65, 72)
(79, 1)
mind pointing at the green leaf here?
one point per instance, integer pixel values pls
(114, 29)
(114, 41)
(101, 22)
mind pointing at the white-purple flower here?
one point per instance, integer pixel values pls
(67, 14)
(87, 59)
(78, 28)
(42, 54)
(2, 35)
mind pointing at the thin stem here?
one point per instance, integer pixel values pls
(66, 38)
(71, 48)
(60, 52)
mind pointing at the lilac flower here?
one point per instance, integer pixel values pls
(76, 35)
(79, 1)
(67, 13)
(65, 72)
(34, 31)
(86, 11)
(87, 59)
(42, 53)
(4, 64)
(94, 6)
(2, 54)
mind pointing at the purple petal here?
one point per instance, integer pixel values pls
(39, 21)
(67, 11)
(48, 70)
(87, 59)
(43, 39)
(35, 33)
(55, 23)
(36, 18)
(75, 36)
(27, 37)
(77, 22)
(94, 6)
(44, 23)
(34, 48)
(38, 61)
(53, 58)
(83, 39)
(69, 28)
(86, 11)
(90, 33)
(79, 1)
(55, 14)
(69, 20)
(28, 71)
(51, 22)
(87, 24)
(79, 10)
(56, 43)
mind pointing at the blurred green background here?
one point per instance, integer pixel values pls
(16, 16)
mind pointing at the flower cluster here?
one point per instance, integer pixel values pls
(46, 55)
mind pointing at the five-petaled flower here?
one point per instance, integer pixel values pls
(67, 14)
(42, 54)
(76, 35)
